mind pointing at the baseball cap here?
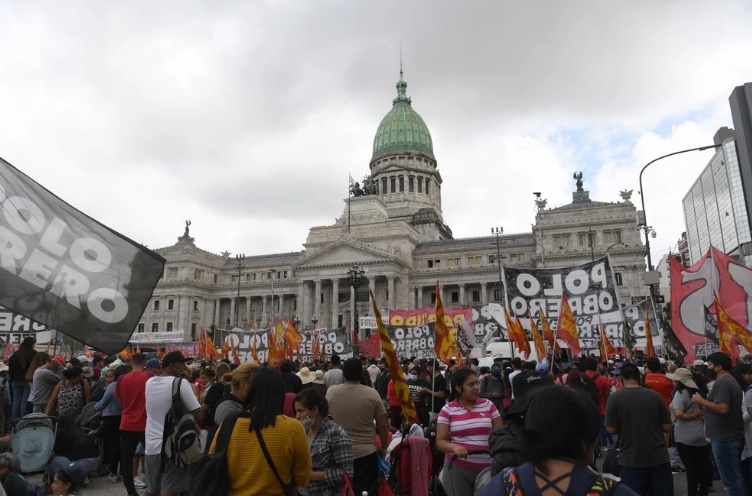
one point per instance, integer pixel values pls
(59, 360)
(153, 363)
(698, 363)
(542, 367)
(77, 474)
(525, 385)
(173, 357)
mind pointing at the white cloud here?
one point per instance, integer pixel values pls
(247, 117)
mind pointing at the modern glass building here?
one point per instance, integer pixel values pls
(715, 211)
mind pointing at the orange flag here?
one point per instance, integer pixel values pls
(225, 349)
(292, 336)
(729, 331)
(315, 346)
(137, 349)
(607, 348)
(517, 334)
(548, 334)
(87, 352)
(271, 351)
(200, 345)
(322, 358)
(443, 343)
(126, 353)
(522, 337)
(395, 370)
(567, 327)
(254, 354)
(211, 350)
(235, 357)
(649, 349)
(540, 345)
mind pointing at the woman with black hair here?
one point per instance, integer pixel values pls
(331, 449)
(70, 395)
(464, 425)
(18, 366)
(689, 433)
(284, 438)
(558, 458)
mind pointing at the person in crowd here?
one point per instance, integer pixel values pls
(656, 380)
(516, 369)
(436, 395)
(285, 439)
(237, 399)
(356, 408)
(417, 385)
(213, 391)
(163, 476)
(66, 481)
(464, 425)
(293, 383)
(381, 384)
(10, 477)
(70, 395)
(331, 449)
(640, 418)
(75, 450)
(492, 388)
(153, 367)
(395, 407)
(18, 366)
(557, 459)
(724, 423)
(689, 433)
(505, 441)
(373, 370)
(603, 390)
(334, 375)
(307, 377)
(746, 373)
(111, 416)
(47, 373)
(130, 393)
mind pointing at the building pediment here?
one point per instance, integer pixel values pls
(347, 252)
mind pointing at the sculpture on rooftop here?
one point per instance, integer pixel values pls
(578, 178)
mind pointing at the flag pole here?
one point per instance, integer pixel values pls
(349, 196)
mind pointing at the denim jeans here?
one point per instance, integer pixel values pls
(747, 472)
(728, 459)
(648, 481)
(21, 391)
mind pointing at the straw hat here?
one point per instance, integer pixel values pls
(306, 376)
(684, 376)
(319, 377)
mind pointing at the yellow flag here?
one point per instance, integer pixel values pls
(540, 346)
(567, 328)
(649, 348)
(395, 370)
(728, 329)
(443, 343)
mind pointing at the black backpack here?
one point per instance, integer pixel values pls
(181, 441)
(590, 388)
(209, 474)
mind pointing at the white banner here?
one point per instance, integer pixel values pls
(157, 337)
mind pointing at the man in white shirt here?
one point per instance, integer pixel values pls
(164, 477)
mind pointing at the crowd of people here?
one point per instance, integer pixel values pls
(311, 428)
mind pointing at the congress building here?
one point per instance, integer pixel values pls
(394, 231)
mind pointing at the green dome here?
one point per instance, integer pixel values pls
(402, 130)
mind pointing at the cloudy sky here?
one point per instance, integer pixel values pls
(246, 117)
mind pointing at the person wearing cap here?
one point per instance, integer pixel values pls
(689, 433)
(640, 417)
(724, 422)
(153, 366)
(129, 392)
(162, 476)
(504, 442)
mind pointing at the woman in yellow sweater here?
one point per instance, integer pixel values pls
(285, 439)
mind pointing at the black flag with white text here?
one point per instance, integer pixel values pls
(61, 268)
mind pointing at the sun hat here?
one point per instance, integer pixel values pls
(319, 377)
(698, 363)
(306, 376)
(525, 385)
(684, 376)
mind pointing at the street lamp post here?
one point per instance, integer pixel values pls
(297, 323)
(239, 259)
(647, 229)
(498, 231)
(355, 277)
(313, 321)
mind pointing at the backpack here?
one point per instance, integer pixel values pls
(209, 474)
(590, 388)
(515, 481)
(403, 472)
(181, 442)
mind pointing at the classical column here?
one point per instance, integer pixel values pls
(390, 290)
(216, 312)
(372, 288)
(483, 293)
(263, 308)
(247, 308)
(352, 307)
(335, 303)
(413, 297)
(317, 301)
(462, 294)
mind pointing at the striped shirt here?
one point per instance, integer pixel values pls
(470, 429)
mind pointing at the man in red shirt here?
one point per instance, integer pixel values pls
(656, 380)
(603, 387)
(130, 392)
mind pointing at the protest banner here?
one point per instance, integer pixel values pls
(63, 269)
(332, 342)
(427, 315)
(417, 341)
(692, 293)
(243, 341)
(158, 337)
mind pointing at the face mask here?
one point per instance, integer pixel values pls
(308, 423)
(411, 377)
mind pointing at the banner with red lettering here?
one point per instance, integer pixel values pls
(692, 292)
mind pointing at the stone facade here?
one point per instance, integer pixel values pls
(398, 237)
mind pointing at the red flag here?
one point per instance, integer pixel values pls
(225, 349)
(315, 346)
(443, 343)
(540, 346)
(211, 350)
(322, 358)
(235, 357)
(548, 334)
(201, 345)
(607, 348)
(292, 336)
(729, 331)
(517, 334)
(567, 328)
(126, 353)
(649, 349)
(395, 370)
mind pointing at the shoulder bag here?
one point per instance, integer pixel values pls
(290, 488)
(209, 474)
